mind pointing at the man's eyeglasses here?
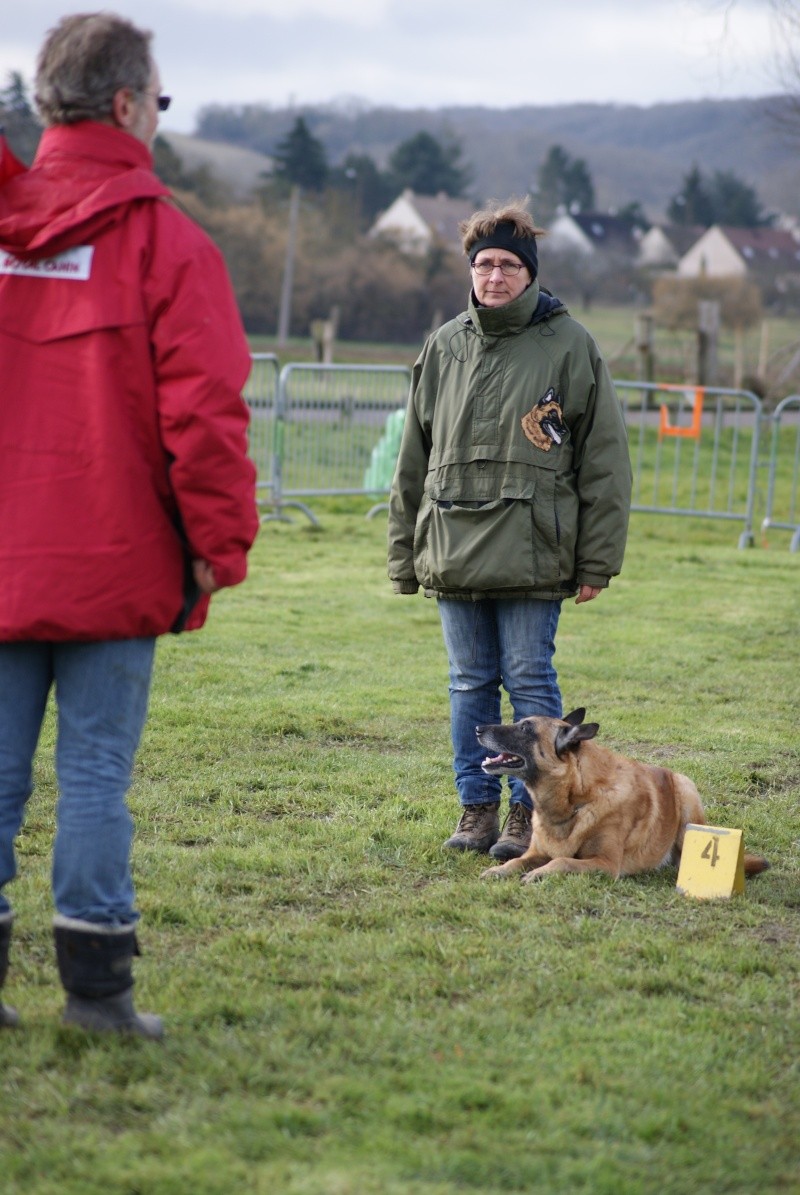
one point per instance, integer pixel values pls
(508, 268)
(163, 101)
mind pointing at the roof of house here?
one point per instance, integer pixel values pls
(680, 236)
(605, 231)
(764, 246)
(439, 214)
(443, 214)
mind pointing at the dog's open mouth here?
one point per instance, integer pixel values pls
(503, 761)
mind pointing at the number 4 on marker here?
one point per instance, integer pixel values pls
(711, 851)
(712, 862)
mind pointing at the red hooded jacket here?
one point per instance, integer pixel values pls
(123, 434)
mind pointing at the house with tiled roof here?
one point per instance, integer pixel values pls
(663, 245)
(592, 232)
(415, 223)
(726, 252)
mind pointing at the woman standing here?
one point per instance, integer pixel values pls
(511, 493)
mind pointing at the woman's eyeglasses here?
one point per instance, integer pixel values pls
(508, 268)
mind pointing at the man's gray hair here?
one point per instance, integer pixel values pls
(84, 61)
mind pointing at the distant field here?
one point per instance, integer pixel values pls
(613, 328)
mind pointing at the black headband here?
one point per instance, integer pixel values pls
(504, 237)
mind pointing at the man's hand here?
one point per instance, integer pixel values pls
(204, 576)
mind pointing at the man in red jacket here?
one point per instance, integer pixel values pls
(126, 494)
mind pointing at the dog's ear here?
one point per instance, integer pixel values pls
(567, 740)
(576, 717)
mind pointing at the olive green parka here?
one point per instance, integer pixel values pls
(513, 477)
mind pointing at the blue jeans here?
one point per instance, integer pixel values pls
(494, 642)
(101, 694)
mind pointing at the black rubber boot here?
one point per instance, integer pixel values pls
(95, 963)
(8, 1016)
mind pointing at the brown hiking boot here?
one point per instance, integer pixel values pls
(515, 837)
(477, 829)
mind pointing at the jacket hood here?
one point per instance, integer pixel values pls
(81, 180)
(531, 307)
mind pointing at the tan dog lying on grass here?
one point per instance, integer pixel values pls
(593, 810)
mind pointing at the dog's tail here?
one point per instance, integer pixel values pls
(692, 811)
(754, 864)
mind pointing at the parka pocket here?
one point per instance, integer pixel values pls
(546, 530)
(476, 546)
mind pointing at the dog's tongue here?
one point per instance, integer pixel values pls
(501, 758)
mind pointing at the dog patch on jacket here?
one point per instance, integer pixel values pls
(542, 425)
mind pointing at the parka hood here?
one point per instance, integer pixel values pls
(44, 211)
(531, 307)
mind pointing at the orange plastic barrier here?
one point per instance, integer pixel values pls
(665, 428)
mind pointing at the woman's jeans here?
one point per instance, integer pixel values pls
(494, 642)
(101, 694)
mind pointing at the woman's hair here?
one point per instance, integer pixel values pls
(84, 61)
(484, 223)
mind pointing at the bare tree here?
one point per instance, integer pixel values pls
(787, 24)
(786, 35)
(785, 27)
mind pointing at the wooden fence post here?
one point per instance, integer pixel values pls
(643, 335)
(707, 341)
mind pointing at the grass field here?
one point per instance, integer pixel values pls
(767, 349)
(349, 1009)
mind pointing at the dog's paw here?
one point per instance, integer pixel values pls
(495, 873)
(533, 877)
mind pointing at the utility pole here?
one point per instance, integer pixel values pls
(284, 315)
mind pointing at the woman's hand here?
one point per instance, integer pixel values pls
(587, 594)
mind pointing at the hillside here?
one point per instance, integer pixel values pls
(633, 153)
(241, 168)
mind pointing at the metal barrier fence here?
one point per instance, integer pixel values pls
(695, 452)
(327, 421)
(783, 493)
(261, 396)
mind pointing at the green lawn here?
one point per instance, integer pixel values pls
(349, 1009)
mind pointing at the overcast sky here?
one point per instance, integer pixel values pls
(431, 53)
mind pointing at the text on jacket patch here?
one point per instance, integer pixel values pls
(73, 264)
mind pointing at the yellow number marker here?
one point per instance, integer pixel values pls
(712, 862)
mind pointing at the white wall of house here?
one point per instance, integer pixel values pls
(564, 234)
(712, 256)
(402, 224)
(656, 250)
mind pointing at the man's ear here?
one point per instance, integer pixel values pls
(123, 108)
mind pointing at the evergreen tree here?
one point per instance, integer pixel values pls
(735, 202)
(726, 199)
(633, 214)
(167, 164)
(371, 189)
(428, 167)
(692, 205)
(564, 182)
(580, 187)
(300, 158)
(14, 97)
(18, 119)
